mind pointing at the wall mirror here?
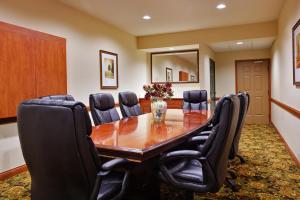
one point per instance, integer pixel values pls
(175, 67)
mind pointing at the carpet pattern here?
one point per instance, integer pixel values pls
(269, 172)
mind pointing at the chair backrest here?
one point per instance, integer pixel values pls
(129, 104)
(103, 109)
(244, 104)
(59, 97)
(195, 99)
(218, 152)
(60, 155)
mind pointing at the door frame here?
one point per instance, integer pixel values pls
(269, 79)
(212, 61)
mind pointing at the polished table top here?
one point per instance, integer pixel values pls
(139, 138)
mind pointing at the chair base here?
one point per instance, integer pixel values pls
(232, 184)
(232, 174)
(242, 160)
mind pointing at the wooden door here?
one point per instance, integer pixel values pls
(17, 72)
(253, 77)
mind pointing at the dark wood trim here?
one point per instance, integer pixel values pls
(174, 103)
(117, 70)
(269, 79)
(209, 100)
(287, 147)
(8, 120)
(287, 108)
(12, 172)
(293, 46)
(179, 51)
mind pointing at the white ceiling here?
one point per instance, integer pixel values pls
(177, 15)
(251, 44)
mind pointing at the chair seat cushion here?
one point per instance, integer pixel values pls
(191, 172)
(111, 185)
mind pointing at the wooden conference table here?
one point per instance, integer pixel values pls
(141, 140)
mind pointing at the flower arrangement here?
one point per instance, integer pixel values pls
(158, 91)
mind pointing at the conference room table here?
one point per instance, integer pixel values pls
(142, 141)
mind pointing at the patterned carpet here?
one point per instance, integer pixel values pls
(269, 172)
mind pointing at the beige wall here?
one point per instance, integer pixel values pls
(85, 37)
(225, 68)
(283, 89)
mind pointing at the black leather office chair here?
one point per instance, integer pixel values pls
(204, 171)
(202, 136)
(59, 97)
(103, 109)
(244, 105)
(129, 104)
(195, 99)
(60, 155)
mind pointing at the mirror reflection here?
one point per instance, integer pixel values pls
(175, 67)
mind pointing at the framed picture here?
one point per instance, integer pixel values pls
(108, 70)
(296, 53)
(193, 78)
(169, 75)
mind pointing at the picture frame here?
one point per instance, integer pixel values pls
(108, 70)
(296, 53)
(169, 74)
(193, 78)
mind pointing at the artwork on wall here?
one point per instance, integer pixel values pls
(193, 78)
(108, 70)
(169, 74)
(296, 53)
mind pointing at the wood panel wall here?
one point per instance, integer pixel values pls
(32, 64)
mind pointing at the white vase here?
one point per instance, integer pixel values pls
(158, 109)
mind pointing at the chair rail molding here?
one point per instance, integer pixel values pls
(287, 108)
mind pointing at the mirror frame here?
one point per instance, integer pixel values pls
(179, 51)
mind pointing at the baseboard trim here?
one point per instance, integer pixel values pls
(12, 172)
(294, 157)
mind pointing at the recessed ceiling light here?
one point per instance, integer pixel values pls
(146, 17)
(240, 43)
(221, 6)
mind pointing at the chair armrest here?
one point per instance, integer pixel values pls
(181, 154)
(198, 139)
(108, 166)
(190, 154)
(204, 133)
